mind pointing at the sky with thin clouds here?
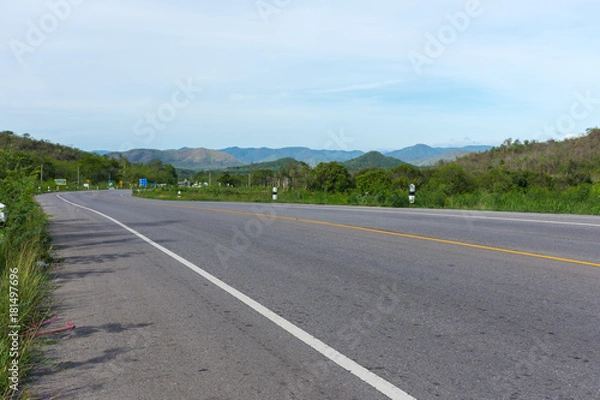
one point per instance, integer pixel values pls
(326, 74)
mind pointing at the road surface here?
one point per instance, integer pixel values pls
(189, 300)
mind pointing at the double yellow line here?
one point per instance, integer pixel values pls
(384, 232)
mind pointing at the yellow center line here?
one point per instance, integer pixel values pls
(385, 232)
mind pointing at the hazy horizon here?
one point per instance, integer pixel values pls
(286, 147)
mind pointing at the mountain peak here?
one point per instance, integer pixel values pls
(309, 156)
(202, 158)
(185, 158)
(372, 159)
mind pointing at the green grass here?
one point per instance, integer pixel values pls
(33, 293)
(574, 201)
(24, 283)
(583, 199)
(245, 194)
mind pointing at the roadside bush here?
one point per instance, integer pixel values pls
(24, 282)
(331, 177)
(374, 181)
(452, 179)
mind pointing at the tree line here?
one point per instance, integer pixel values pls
(49, 161)
(552, 176)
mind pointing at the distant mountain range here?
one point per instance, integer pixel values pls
(309, 156)
(204, 159)
(423, 155)
(185, 158)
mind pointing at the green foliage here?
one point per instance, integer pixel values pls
(517, 176)
(25, 144)
(295, 174)
(404, 175)
(331, 177)
(452, 179)
(409, 172)
(201, 177)
(267, 165)
(207, 193)
(495, 181)
(374, 181)
(229, 180)
(16, 191)
(23, 242)
(263, 177)
(557, 159)
(546, 177)
(53, 161)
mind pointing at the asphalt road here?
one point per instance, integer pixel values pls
(401, 303)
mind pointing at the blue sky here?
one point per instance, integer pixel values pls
(328, 74)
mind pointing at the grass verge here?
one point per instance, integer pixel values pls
(24, 279)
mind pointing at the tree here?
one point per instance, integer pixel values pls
(452, 179)
(331, 177)
(168, 174)
(229, 180)
(295, 172)
(263, 177)
(405, 174)
(374, 181)
(496, 181)
(201, 177)
(155, 164)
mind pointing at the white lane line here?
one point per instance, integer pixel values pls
(535, 221)
(464, 214)
(353, 367)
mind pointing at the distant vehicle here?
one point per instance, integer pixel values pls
(2, 215)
